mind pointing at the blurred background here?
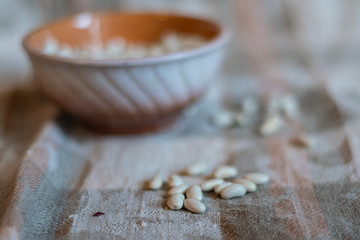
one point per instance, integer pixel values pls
(267, 33)
(278, 46)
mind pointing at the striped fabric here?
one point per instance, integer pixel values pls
(54, 174)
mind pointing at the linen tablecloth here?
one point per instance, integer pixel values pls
(55, 174)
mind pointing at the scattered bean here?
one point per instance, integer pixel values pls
(225, 171)
(211, 184)
(257, 178)
(233, 190)
(250, 106)
(249, 186)
(221, 186)
(194, 206)
(271, 125)
(196, 168)
(194, 192)
(175, 180)
(223, 119)
(178, 189)
(176, 201)
(289, 106)
(155, 183)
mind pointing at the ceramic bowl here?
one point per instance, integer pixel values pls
(126, 95)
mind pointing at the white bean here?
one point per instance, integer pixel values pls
(196, 168)
(211, 184)
(178, 189)
(250, 106)
(249, 186)
(194, 206)
(66, 51)
(233, 190)
(225, 171)
(223, 119)
(176, 201)
(175, 180)
(194, 192)
(221, 186)
(257, 178)
(51, 46)
(119, 48)
(156, 182)
(289, 106)
(271, 125)
(273, 105)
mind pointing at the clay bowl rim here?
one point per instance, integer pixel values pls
(222, 39)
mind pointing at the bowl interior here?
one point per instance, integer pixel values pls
(90, 28)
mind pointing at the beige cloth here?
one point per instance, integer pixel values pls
(54, 175)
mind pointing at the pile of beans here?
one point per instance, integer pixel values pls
(224, 181)
(118, 48)
(274, 115)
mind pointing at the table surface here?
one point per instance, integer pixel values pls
(55, 174)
